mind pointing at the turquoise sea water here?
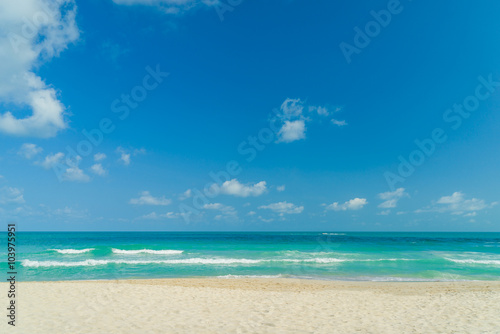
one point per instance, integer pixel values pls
(44, 256)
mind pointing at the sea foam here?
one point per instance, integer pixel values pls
(471, 261)
(201, 261)
(147, 251)
(91, 262)
(73, 251)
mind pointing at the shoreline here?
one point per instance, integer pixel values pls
(269, 277)
(255, 305)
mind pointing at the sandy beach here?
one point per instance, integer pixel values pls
(254, 306)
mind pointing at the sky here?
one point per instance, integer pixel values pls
(277, 115)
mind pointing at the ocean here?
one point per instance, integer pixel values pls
(50, 256)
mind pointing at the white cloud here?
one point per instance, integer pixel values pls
(339, 123)
(146, 199)
(353, 204)
(252, 213)
(99, 157)
(29, 150)
(170, 6)
(98, 169)
(51, 160)
(30, 35)
(72, 173)
(292, 120)
(391, 198)
(457, 204)
(291, 108)
(235, 188)
(280, 188)
(185, 195)
(155, 216)
(283, 207)
(75, 174)
(10, 195)
(227, 212)
(292, 131)
(125, 155)
(322, 111)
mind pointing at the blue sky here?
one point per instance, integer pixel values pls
(260, 115)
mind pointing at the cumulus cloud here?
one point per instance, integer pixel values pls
(11, 195)
(283, 207)
(75, 174)
(391, 198)
(457, 204)
(98, 169)
(235, 188)
(124, 156)
(147, 199)
(30, 35)
(280, 188)
(51, 160)
(292, 131)
(292, 119)
(293, 122)
(29, 150)
(353, 204)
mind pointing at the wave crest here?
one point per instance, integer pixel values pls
(147, 251)
(471, 261)
(215, 261)
(73, 251)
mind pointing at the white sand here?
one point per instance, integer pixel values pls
(254, 306)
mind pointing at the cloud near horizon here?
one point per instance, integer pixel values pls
(235, 188)
(391, 198)
(283, 207)
(457, 204)
(353, 204)
(147, 199)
